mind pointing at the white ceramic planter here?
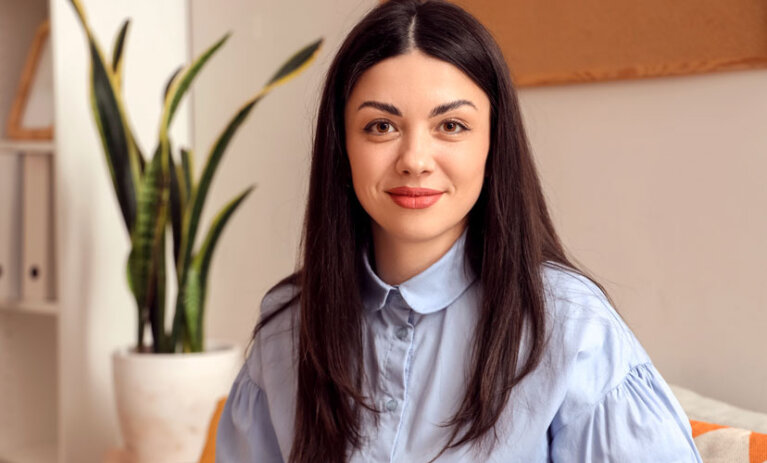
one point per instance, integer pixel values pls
(165, 401)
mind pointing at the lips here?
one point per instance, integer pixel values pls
(410, 191)
(414, 198)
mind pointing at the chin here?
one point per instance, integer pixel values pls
(417, 230)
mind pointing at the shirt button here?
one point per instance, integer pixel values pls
(402, 333)
(391, 405)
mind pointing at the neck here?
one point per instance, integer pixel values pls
(398, 260)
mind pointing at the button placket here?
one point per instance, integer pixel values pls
(404, 333)
(392, 376)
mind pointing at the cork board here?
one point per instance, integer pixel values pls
(562, 41)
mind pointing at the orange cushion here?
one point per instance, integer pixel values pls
(209, 451)
(724, 444)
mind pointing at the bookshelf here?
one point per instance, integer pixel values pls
(57, 337)
(29, 386)
(12, 147)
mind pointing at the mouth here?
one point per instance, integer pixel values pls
(414, 198)
(413, 191)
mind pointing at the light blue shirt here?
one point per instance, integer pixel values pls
(595, 397)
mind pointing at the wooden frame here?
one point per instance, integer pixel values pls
(561, 41)
(14, 127)
(564, 41)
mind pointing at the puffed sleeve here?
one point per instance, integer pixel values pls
(245, 431)
(638, 421)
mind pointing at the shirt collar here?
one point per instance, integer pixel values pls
(431, 290)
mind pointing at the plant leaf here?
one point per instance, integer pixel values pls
(139, 153)
(180, 85)
(170, 82)
(199, 193)
(143, 311)
(120, 150)
(117, 52)
(117, 67)
(147, 242)
(194, 299)
(292, 66)
(157, 301)
(114, 138)
(177, 200)
(295, 64)
(204, 257)
(187, 164)
(192, 215)
(197, 277)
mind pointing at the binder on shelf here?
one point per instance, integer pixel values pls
(10, 226)
(36, 251)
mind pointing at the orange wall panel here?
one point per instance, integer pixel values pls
(559, 41)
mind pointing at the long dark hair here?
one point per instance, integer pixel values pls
(510, 235)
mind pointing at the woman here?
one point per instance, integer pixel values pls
(436, 315)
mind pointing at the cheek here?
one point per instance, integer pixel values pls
(361, 172)
(356, 159)
(469, 179)
(364, 180)
(368, 164)
(468, 170)
(482, 151)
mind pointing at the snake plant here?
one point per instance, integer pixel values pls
(158, 194)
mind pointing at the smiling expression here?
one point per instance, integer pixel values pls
(417, 136)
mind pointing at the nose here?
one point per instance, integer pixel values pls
(415, 156)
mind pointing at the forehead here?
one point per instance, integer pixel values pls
(415, 80)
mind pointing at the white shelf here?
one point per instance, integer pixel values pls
(26, 146)
(29, 350)
(42, 453)
(42, 307)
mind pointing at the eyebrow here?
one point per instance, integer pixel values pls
(441, 109)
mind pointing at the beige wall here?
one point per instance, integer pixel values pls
(657, 186)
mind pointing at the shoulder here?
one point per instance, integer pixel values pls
(575, 303)
(276, 337)
(566, 289)
(285, 293)
(589, 343)
(611, 400)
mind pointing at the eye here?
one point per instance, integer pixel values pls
(453, 126)
(379, 127)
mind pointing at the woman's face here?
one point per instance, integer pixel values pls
(414, 121)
